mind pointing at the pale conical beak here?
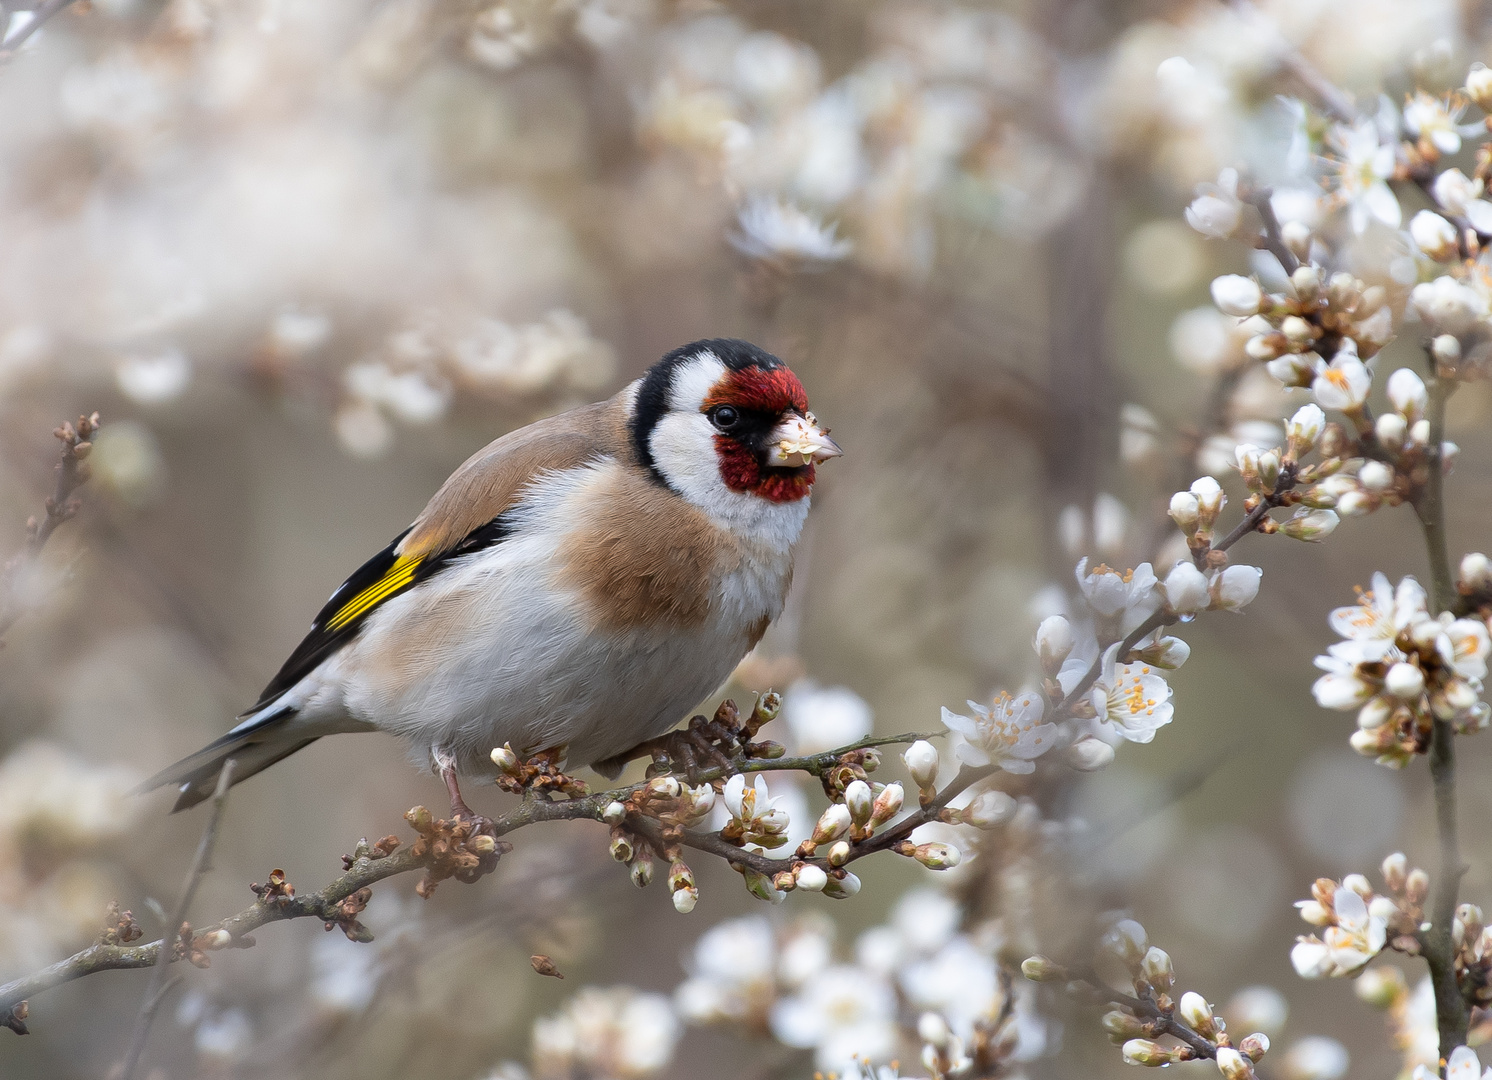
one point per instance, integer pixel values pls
(798, 441)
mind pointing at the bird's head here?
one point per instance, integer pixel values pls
(727, 425)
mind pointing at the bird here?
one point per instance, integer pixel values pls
(570, 591)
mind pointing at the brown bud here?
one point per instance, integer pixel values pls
(545, 966)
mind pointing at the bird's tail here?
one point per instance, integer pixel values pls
(253, 746)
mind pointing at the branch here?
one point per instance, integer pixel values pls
(72, 473)
(178, 925)
(444, 849)
(1451, 1013)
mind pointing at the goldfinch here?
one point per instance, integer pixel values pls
(571, 590)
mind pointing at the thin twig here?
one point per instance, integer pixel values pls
(72, 473)
(158, 978)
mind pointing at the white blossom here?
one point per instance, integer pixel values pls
(1132, 596)
(1352, 937)
(1428, 117)
(1433, 235)
(1217, 211)
(843, 1014)
(1130, 698)
(1343, 384)
(1236, 295)
(1186, 588)
(1008, 733)
(1447, 305)
(1407, 394)
(1364, 167)
(771, 228)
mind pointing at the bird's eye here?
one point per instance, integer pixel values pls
(724, 417)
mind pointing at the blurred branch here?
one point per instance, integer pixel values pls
(43, 14)
(72, 473)
(158, 980)
(1451, 1012)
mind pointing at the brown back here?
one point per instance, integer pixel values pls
(492, 479)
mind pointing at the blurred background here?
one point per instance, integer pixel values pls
(304, 258)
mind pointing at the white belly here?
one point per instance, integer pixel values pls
(513, 662)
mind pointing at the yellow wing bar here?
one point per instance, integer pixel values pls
(395, 578)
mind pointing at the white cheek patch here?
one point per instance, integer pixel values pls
(683, 448)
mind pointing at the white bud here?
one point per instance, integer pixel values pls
(664, 787)
(1297, 237)
(1306, 280)
(1476, 571)
(1479, 85)
(1169, 653)
(937, 856)
(933, 1029)
(887, 804)
(614, 813)
(1433, 235)
(1145, 1052)
(1404, 681)
(1233, 1065)
(1053, 643)
(1090, 755)
(1247, 457)
(1305, 427)
(858, 798)
(1310, 525)
(842, 888)
(1128, 941)
(1185, 588)
(921, 759)
(1210, 500)
(839, 854)
(1235, 586)
(1446, 348)
(988, 809)
(504, 758)
(832, 823)
(1237, 295)
(1297, 329)
(1391, 429)
(1156, 967)
(1197, 1013)
(810, 877)
(1184, 509)
(1407, 394)
(684, 900)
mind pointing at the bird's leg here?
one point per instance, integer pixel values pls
(445, 762)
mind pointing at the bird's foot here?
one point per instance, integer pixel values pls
(540, 775)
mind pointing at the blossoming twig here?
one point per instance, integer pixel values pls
(72, 473)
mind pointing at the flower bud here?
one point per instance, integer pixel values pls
(1128, 941)
(1156, 967)
(1236, 295)
(1303, 429)
(1293, 369)
(839, 854)
(1197, 1014)
(1254, 1046)
(1269, 470)
(760, 886)
(505, 760)
(680, 876)
(1380, 987)
(1043, 969)
(937, 856)
(614, 814)
(1417, 886)
(987, 810)
(1475, 572)
(1312, 526)
(684, 900)
(858, 799)
(1419, 433)
(1404, 681)
(1053, 643)
(1168, 653)
(1297, 330)
(664, 787)
(1391, 429)
(1306, 280)
(832, 823)
(1297, 237)
(1210, 501)
(1121, 1025)
(810, 877)
(1185, 589)
(1246, 455)
(921, 759)
(1446, 348)
(933, 1029)
(887, 805)
(642, 871)
(1433, 235)
(1233, 1065)
(1376, 476)
(1235, 586)
(1184, 511)
(1145, 1052)
(842, 888)
(621, 846)
(1395, 870)
(1479, 86)
(1407, 394)
(1090, 755)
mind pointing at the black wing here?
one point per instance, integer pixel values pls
(381, 578)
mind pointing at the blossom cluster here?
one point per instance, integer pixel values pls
(1403, 669)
